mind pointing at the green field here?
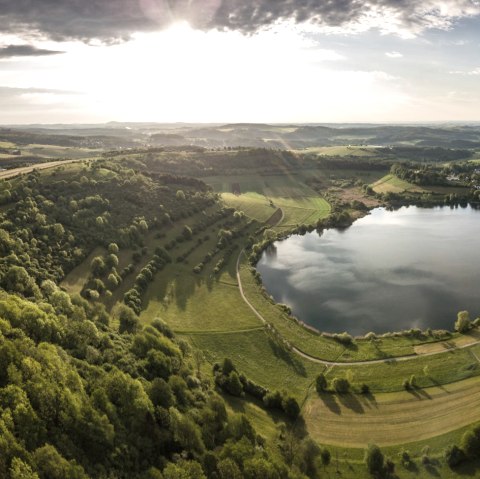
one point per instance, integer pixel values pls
(208, 311)
(392, 184)
(260, 196)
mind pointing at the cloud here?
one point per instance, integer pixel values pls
(394, 55)
(474, 72)
(116, 20)
(11, 51)
(10, 93)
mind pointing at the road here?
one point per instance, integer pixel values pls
(28, 169)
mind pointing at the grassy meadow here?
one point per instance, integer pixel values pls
(207, 310)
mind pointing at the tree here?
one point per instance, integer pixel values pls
(113, 248)
(471, 443)
(186, 432)
(374, 459)
(291, 407)
(112, 280)
(454, 456)
(227, 366)
(161, 394)
(127, 318)
(463, 323)
(18, 280)
(111, 260)
(97, 266)
(259, 468)
(341, 385)
(58, 231)
(228, 469)
(187, 232)
(321, 383)
(184, 470)
(180, 195)
(233, 384)
(325, 456)
(21, 470)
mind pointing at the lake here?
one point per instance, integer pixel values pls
(390, 271)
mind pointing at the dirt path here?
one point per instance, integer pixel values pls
(341, 363)
(39, 166)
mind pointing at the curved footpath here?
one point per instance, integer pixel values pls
(338, 363)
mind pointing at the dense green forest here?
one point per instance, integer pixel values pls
(89, 392)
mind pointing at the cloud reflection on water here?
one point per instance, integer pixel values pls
(391, 270)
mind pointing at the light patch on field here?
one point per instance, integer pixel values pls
(392, 418)
(296, 210)
(392, 184)
(75, 280)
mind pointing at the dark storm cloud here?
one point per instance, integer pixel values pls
(10, 51)
(113, 20)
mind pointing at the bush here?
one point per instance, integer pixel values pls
(343, 338)
(273, 400)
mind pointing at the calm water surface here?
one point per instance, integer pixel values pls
(390, 270)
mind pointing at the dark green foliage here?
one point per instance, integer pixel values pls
(463, 323)
(233, 384)
(291, 407)
(365, 389)
(471, 442)
(374, 459)
(320, 383)
(325, 456)
(84, 401)
(227, 366)
(341, 385)
(454, 456)
(127, 319)
(273, 400)
(57, 220)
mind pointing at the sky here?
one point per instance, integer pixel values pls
(223, 61)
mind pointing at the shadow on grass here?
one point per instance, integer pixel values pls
(411, 467)
(351, 401)
(438, 384)
(432, 469)
(281, 352)
(419, 393)
(330, 401)
(468, 468)
(369, 400)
